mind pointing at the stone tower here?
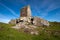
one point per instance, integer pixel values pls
(25, 13)
(26, 18)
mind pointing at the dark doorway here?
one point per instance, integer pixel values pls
(32, 20)
(21, 21)
(17, 22)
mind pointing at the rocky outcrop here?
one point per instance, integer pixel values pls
(26, 28)
(27, 22)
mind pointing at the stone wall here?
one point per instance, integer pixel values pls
(12, 22)
(40, 22)
(23, 12)
(25, 16)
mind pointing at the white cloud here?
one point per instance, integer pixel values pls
(52, 7)
(40, 13)
(4, 20)
(9, 9)
(50, 4)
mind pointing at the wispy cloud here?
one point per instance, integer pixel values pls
(46, 6)
(52, 7)
(9, 9)
(3, 18)
(40, 12)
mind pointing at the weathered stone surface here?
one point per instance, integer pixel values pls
(25, 12)
(25, 16)
(12, 22)
(27, 22)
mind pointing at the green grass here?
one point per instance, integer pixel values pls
(7, 33)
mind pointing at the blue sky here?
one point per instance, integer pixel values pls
(46, 9)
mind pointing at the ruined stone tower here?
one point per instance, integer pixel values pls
(25, 17)
(25, 13)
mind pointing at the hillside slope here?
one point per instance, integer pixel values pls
(48, 33)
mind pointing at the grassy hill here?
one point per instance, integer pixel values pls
(49, 33)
